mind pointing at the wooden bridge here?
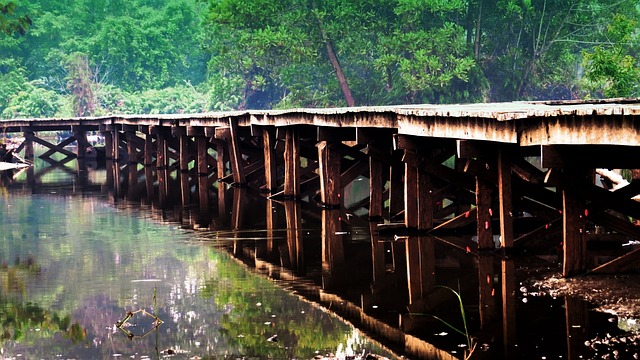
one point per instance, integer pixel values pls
(521, 172)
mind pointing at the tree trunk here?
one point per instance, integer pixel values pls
(335, 62)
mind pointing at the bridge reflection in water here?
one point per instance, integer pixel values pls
(400, 289)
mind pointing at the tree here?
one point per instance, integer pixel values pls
(12, 22)
(610, 69)
(339, 52)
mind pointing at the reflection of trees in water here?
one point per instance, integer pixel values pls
(257, 311)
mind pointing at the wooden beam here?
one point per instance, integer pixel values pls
(625, 263)
(574, 240)
(484, 212)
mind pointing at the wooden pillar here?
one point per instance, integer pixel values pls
(329, 175)
(237, 168)
(292, 164)
(376, 189)
(133, 162)
(148, 163)
(108, 143)
(202, 145)
(425, 201)
(270, 169)
(185, 157)
(81, 139)
(484, 212)
(410, 196)
(504, 193)
(162, 164)
(28, 140)
(237, 214)
(396, 188)
(572, 238)
(221, 161)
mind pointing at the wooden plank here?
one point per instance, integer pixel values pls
(540, 235)
(461, 220)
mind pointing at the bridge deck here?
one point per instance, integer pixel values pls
(603, 122)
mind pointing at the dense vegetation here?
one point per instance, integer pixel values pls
(95, 57)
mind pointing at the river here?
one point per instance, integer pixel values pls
(89, 273)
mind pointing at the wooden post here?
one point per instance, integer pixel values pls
(203, 172)
(483, 215)
(133, 163)
(185, 157)
(221, 161)
(425, 202)
(329, 175)
(376, 188)
(235, 155)
(574, 240)
(504, 193)
(148, 163)
(292, 164)
(395, 187)
(28, 139)
(270, 170)
(410, 196)
(81, 139)
(162, 165)
(237, 214)
(108, 143)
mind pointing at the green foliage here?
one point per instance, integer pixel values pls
(611, 70)
(196, 55)
(11, 21)
(33, 101)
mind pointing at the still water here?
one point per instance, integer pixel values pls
(260, 279)
(71, 267)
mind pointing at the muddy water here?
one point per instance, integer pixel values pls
(261, 279)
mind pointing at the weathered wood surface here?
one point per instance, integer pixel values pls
(600, 122)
